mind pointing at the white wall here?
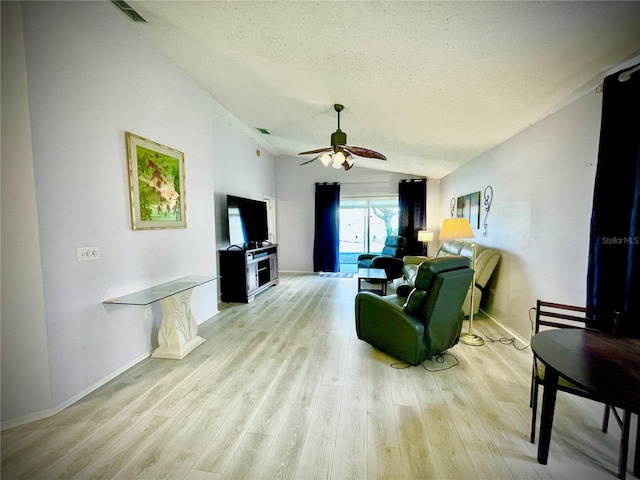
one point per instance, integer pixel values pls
(25, 363)
(543, 182)
(295, 187)
(239, 171)
(90, 79)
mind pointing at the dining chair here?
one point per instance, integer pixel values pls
(557, 315)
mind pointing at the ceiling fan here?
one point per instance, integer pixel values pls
(340, 154)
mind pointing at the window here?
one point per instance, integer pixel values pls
(365, 223)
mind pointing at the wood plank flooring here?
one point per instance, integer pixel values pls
(283, 389)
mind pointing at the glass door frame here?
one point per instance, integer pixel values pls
(390, 225)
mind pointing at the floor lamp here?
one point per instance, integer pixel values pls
(455, 228)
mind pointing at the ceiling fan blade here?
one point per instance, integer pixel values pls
(319, 150)
(309, 161)
(363, 152)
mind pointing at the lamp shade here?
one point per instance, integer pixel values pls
(453, 228)
(325, 158)
(425, 236)
(349, 160)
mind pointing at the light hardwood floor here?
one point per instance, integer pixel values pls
(282, 388)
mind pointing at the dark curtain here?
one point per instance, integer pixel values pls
(613, 281)
(412, 199)
(326, 240)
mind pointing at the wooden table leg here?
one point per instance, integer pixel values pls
(548, 407)
(636, 455)
(624, 444)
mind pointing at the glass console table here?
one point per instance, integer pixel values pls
(178, 334)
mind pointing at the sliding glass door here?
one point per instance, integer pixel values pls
(364, 224)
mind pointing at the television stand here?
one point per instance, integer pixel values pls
(246, 273)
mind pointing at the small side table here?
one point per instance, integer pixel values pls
(376, 274)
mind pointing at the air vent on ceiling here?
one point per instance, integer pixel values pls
(128, 11)
(263, 131)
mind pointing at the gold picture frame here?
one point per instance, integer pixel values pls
(156, 185)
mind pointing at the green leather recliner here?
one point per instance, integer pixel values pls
(390, 259)
(425, 323)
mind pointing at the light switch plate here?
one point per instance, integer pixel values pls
(87, 253)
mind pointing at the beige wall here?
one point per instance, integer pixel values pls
(539, 220)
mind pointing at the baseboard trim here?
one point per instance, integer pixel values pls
(32, 417)
(505, 328)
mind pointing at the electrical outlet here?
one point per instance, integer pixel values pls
(87, 253)
(147, 313)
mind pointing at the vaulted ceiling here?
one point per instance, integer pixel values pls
(429, 84)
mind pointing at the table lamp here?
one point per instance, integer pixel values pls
(455, 228)
(425, 236)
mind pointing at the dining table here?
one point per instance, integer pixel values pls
(604, 364)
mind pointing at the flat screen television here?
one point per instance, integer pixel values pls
(247, 221)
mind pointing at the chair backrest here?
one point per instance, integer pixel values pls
(486, 261)
(451, 247)
(558, 315)
(441, 286)
(394, 246)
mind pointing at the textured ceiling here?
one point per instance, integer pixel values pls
(429, 84)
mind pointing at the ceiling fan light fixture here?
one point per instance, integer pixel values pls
(325, 158)
(349, 160)
(340, 154)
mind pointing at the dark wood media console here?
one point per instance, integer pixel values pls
(245, 273)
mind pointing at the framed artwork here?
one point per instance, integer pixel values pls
(462, 207)
(468, 206)
(156, 185)
(474, 209)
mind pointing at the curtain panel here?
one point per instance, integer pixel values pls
(412, 200)
(327, 228)
(613, 280)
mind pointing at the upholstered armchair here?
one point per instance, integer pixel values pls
(425, 323)
(390, 259)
